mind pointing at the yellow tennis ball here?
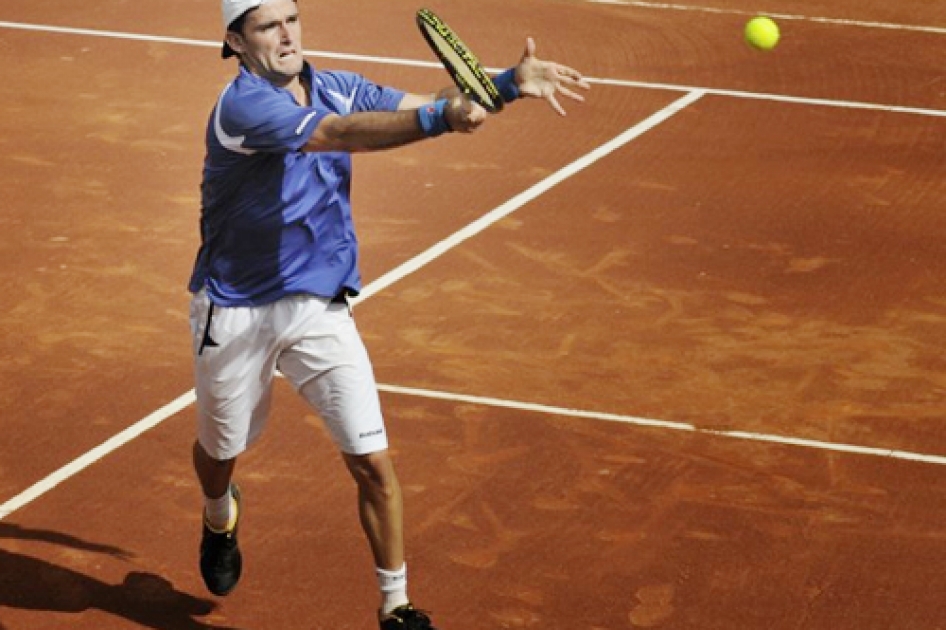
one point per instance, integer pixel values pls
(762, 33)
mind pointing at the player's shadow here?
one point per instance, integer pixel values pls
(149, 600)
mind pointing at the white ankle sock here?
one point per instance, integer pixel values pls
(393, 588)
(218, 511)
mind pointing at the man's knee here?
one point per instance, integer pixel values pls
(202, 457)
(373, 472)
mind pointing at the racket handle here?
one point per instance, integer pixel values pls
(506, 84)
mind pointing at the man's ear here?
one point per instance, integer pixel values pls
(235, 41)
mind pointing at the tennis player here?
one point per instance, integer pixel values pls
(279, 259)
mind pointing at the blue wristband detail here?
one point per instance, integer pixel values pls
(432, 120)
(506, 84)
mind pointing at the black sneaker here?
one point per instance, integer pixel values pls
(220, 559)
(406, 617)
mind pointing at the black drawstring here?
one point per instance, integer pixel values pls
(207, 342)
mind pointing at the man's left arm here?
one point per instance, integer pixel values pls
(531, 77)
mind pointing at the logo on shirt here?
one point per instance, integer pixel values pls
(347, 102)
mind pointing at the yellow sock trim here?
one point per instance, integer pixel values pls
(234, 515)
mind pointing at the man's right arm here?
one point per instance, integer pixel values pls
(374, 131)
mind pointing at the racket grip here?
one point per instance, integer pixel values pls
(506, 84)
(432, 120)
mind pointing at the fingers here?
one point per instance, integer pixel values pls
(555, 104)
(572, 77)
(463, 105)
(477, 114)
(564, 81)
(569, 80)
(540, 78)
(572, 95)
(530, 49)
(463, 115)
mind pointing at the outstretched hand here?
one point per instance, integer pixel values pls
(546, 79)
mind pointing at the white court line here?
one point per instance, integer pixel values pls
(780, 16)
(525, 197)
(428, 64)
(665, 424)
(778, 98)
(45, 485)
(64, 30)
(120, 439)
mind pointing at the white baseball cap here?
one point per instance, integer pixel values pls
(233, 9)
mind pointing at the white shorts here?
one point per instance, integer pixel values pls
(312, 341)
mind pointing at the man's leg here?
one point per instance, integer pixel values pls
(233, 386)
(214, 475)
(329, 366)
(220, 560)
(380, 507)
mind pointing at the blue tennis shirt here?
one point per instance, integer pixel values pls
(276, 221)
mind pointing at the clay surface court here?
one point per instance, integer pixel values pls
(675, 361)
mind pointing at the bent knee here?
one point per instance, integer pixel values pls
(373, 471)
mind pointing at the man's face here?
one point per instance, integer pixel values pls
(271, 42)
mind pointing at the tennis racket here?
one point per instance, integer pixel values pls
(461, 64)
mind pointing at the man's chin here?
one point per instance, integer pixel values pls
(291, 65)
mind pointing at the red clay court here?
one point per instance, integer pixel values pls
(674, 361)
